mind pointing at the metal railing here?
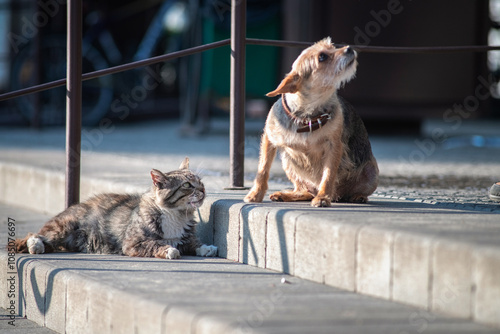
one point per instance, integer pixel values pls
(75, 78)
(238, 42)
(73, 101)
(237, 94)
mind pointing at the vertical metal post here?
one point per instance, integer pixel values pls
(36, 121)
(237, 91)
(73, 101)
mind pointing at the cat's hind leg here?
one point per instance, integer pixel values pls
(33, 244)
(22, 244)
(57, 234)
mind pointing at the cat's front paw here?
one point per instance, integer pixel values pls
(208, 251)
(35, 245)
(172, 253)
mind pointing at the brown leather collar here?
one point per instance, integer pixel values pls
(306, 124)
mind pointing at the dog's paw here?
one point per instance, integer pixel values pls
(172, 253)
(35, 245)
(254, 196)
(277, 197)
(358, 199)
(207, 251)
(321, 202)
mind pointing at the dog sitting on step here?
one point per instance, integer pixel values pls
(325, 149)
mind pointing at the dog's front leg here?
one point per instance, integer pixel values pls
(327, 191)
(267, 154)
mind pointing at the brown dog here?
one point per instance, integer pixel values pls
(325, 148)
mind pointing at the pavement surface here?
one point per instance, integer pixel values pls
(429, 237)
(459, 169)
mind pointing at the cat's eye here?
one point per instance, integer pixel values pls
(186, 185)
(322, 57)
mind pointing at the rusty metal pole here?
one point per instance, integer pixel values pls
(73, 101)
(237, 91)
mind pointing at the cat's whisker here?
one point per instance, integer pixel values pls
(201, 173)
(199, 170)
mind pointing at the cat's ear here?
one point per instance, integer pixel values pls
(158, 178)
(184, 163)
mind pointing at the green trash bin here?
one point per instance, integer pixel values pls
(261, 61)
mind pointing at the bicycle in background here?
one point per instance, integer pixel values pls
(44, 60)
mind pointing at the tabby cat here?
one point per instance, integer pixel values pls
(158, 223)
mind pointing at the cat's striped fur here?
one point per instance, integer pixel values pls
(158, 223)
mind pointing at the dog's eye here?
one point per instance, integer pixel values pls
(322, 57)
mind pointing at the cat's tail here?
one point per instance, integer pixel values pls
(33, 244)
(21, 245)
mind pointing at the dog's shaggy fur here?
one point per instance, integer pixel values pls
(325, 148)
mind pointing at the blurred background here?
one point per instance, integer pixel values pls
(392, 92)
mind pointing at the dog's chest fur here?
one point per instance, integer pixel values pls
(304, 151)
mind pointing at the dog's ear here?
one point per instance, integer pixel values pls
(290, 84)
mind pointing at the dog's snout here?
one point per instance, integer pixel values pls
(348, 50)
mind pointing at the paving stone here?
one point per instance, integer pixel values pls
(22, 279)
(179, 320)
(374, 262)
(77, 304)
(310, 248)
(148, 316)
(280, 236)
(56, 301)
(412, 258)
(252, 235)
(100, 310)
(205, 226)
(226, 231)
(122, 313)
(451, 279)
(35, 288)
(486, 275)
(340, 266)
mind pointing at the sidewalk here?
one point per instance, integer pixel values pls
(438, 249)
(417, 167)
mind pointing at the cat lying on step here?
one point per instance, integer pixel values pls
(158, 223)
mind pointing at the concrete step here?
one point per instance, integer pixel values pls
(18, 325)
(81, 293)
(438, 258)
